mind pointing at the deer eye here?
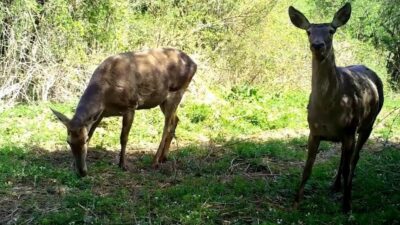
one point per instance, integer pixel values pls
(308, 32)
(332, 31)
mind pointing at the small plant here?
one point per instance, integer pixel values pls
(244, 92)
(198, 112)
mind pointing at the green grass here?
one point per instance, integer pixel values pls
(239, 176)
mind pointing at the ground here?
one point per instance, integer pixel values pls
(245, 178)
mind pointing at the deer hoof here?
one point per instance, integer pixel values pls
(123, 166)
(155, 165)
(157, 162)
(163, 159)
(346, 208)
(336, 188)
(295, 205)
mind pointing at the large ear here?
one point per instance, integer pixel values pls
(298, 19)
(61, 117)
(342, 16)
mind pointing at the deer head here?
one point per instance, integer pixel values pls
(320, 36)
(77, 140)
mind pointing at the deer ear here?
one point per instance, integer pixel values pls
(298, 19)
(61, 117)
(342, 16)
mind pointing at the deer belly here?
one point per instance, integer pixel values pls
(152, 100)
(323, 129)
(331, 129)
(150, 104)
(115, 110)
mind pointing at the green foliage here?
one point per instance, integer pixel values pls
(272, 149)
(198, 113)
(56, 45)
(243, 93)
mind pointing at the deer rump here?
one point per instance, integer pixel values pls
(354, 108)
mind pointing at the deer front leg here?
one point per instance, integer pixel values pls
(127, 120)
(313, 144)
(94, 126)
(362, 138)
(348, 144)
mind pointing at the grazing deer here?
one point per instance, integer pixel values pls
(122, 84)
(343, 101)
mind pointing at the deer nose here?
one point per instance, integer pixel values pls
(318, 46)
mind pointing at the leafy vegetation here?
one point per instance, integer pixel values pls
(241, 142)
(49, 49)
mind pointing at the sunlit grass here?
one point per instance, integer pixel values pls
(228, 167)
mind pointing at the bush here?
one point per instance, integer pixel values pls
(49, 49)
(198, 113)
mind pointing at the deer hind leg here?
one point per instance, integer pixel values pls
(337, 184)
(168, 140)
(348, 148)
(353, 155)
(171, 121)
(362, 138)
(127, 121)
(313, 144)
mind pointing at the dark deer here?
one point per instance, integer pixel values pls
(122, 84)
(343, 101)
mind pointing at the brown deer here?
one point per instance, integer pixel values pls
(343, 101)
(122, 84)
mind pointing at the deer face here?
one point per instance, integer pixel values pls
(77, 140)
(320, 36)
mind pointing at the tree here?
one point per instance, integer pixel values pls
(390, 39)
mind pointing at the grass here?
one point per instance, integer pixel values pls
(237, 161)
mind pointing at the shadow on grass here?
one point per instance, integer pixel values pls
(238, 182)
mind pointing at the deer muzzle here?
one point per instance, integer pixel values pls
(318, 46)
(80, 163)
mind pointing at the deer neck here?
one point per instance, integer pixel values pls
(324, 79)
(89, 106)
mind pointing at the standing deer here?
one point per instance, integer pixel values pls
(343, 101)
(122, 84)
